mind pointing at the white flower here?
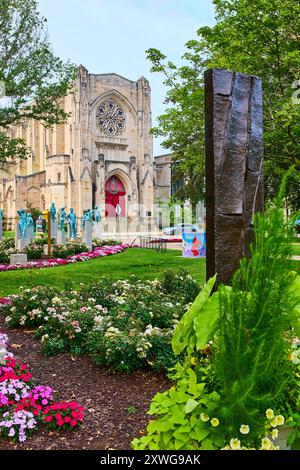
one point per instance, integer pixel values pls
(235, 444)
(215, 422)
(244, 429)
(274, 434)
(266, 444)
(280, 420)
(204, 417)
(270, 413)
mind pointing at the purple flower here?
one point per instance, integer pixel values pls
(12, 432)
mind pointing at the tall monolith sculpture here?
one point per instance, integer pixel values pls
(234, 160)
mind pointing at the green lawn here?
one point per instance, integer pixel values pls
(144, 263)
(296, 249)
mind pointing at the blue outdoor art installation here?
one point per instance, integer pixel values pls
(87, 217)
(53, 212)
(22, 223)
(97, 214)
(62, 218)
(30, 226)
(72, 224)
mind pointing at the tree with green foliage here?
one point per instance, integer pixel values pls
(261, 37)
(35, 79)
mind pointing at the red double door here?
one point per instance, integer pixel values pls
(114, 194)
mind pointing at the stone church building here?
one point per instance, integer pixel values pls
(102, 156)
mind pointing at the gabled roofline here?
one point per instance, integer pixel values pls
(110, 74)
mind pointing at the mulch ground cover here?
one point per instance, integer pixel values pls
(115, 403)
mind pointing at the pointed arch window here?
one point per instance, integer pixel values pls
(110, 118)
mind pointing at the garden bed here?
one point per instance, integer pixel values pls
(50, 263)
(115, 403)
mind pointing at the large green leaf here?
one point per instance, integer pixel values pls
(190, 405)
(184, 335)
(205, 322)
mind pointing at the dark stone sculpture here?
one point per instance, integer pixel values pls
(234, 159)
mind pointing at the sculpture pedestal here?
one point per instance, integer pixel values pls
(87, 236)
(53, 230)
(21, 243)
(18, 259)
(61, 237)
(97, 230)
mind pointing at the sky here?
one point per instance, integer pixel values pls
(113, 35)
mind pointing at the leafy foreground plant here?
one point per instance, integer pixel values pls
(227, 391)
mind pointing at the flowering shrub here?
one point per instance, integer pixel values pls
(23, 405)
(71, 247)
(63, 415)
(41, 394)
(102, 242)
(34, 250)
(17, 424)
(123, 324)
(43, 240)
(7, 248)
(12, 369)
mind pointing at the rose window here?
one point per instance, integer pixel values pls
(110, 118)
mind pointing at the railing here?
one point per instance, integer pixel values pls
(151, 242)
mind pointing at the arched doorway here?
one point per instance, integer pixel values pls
(114, 194)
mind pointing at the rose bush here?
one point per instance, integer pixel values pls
(71, 247)
(122, 324)
(7, 248)
(34, 250)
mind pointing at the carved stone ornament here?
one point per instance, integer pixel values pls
(110, 118)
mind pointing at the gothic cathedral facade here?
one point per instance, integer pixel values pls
(102, 156)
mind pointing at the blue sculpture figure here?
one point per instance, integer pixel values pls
(87, 217)
(22, 223)
(30, 226)
(1, 214)
(29, 220)
(62, 218)
(97, 214)
(52, 212)
(72, 224)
